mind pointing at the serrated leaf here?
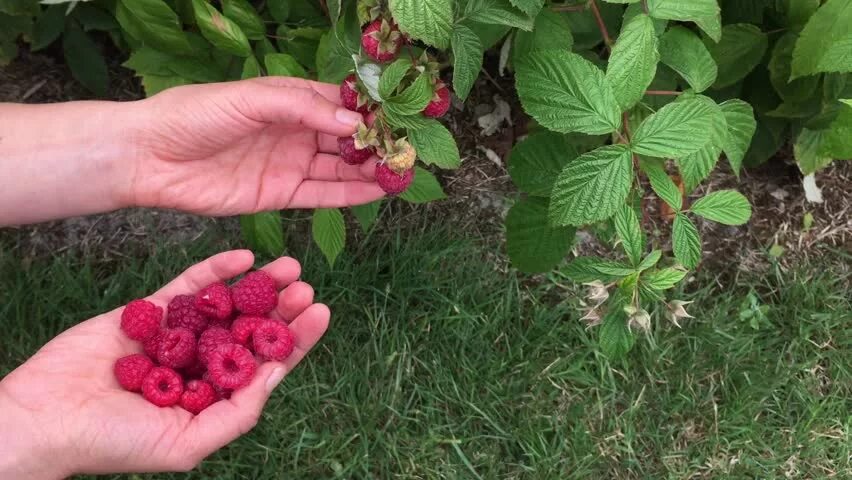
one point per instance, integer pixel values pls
(592, 187)
(703, 12)
(711, 25)
(467, 59)
(662, 183)
(370, 74)
(633, 62)
(566, 93)
(535, 162)
(329, 232)
(251, 68)
(392, 75)
(629, 231)
(740, 50)
(263, 232)
(696, 167)
(685, 53)
(583, 270)
(616, 339)
(727, 207)
(808, 151)
(154, 84)
(837, 141)
(663, 279)
(244, 15)
(550, 31)
(825, 44)
(739, 117)
(284, 65)
(676, 130)
(533, 245)
(154, 23)
(424, 188)
(366, 214)
(219, 30)
(781, 68)
(530, 7)
(85, 60)
(497, 12)
(408, 122)
(686, 242)
(429, 21)
(435, 145)
(334, 9)
(650, 260)
(414, 98)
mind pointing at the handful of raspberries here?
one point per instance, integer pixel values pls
(210, 345)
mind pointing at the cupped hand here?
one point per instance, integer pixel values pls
(240, 147)
(67, 398)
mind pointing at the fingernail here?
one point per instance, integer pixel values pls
(274, 379)
(348, 117)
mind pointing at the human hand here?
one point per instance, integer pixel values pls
(240, 147)
(69, 415)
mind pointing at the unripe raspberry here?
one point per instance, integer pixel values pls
(381, 40)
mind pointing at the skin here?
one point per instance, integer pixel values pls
(218, 149)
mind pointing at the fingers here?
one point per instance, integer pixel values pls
(327, 144)
(330, 168)
(327, 90)
(294, 300)
(324, 194)
(284, 270)
(218, 268)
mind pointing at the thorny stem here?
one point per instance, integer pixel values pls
(601, 24)
(663, 92)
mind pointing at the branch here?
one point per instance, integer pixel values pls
(601, 24)
(663, 92)
(568, 8)
(645, 6)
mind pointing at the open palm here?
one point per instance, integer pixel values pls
(261, 144)
(96, 426)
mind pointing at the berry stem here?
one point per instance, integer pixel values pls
(601, 25)
(663, 92)
(568, 8)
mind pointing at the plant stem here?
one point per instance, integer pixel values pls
(663, 92)
(601, 24)
(568, 8)
(645, 6)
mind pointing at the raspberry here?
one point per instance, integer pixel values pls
(215, 301)
(162, 386)
(197, 396)
(351, 154)
(401, 156)
(381, 40)
(177, 348)
(244, 327)
(352, 98)
(210, 341)
(194, 371)
(231, 366)
(273, 340)
(141, 319)
(224, 323)
(182, 313)
(391, 182)
(131, 370)
(440, 103)
(255, 294)
(152, 345)
(221, 393)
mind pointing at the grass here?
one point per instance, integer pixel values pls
(439, 365)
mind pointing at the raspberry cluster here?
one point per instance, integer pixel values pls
(210, 345)
(382, 41)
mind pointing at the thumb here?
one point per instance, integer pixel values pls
(302, 105)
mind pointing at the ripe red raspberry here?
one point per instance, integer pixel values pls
(221, 393)
(215, 301)
(194, 371)
(440, 103)
(255, 294)
(131, 370)
(182, 313)
(273, 340)
(231, 366)
(141, 319)
(224, 323)
(381, 40)
(152, 345)
(391, 182)
(210, 341)
(162, 386)
(197, 396)
(243, 328)
(351, 96)
(177, 348)
(351, 154)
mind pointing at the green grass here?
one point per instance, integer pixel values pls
(440, 365)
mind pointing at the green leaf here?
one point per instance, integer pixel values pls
(705, 13)
(244, 15)
(567, 93)
(408, 122)
(711, 25)
(781, 68)
(837, 141)
(741, 49)
(584, 270)
(825, 44)
(251, 68)
(497, 12)
(85, 60)
(392, 75)
(367, 214)
(535, 162)
(334, 52)
(808, 151)
(154, 84)
(154, 23)
(414, 98)
(48, 27)
(616, 339)
(696, 167)
(686, 54)
(467, 59)
(435, 145)
(282, 64)
(686, 242)
(629, 230)
(530, 7)
(676, 130)
(592, 187)
(92, 17)
(727, 207)
(424, 188)
(263, 232)
(550, 31)
(279, 9)
(663, 279)
(662, 183)
(615, 269)
(219, 30)
(329, 232)
(429, 21)
(741, 123)
(146, 60)
(532, 244)
(633, 62)
(650, 260)
(28, 8)
(334, 9)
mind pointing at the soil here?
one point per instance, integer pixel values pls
(478, 194)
